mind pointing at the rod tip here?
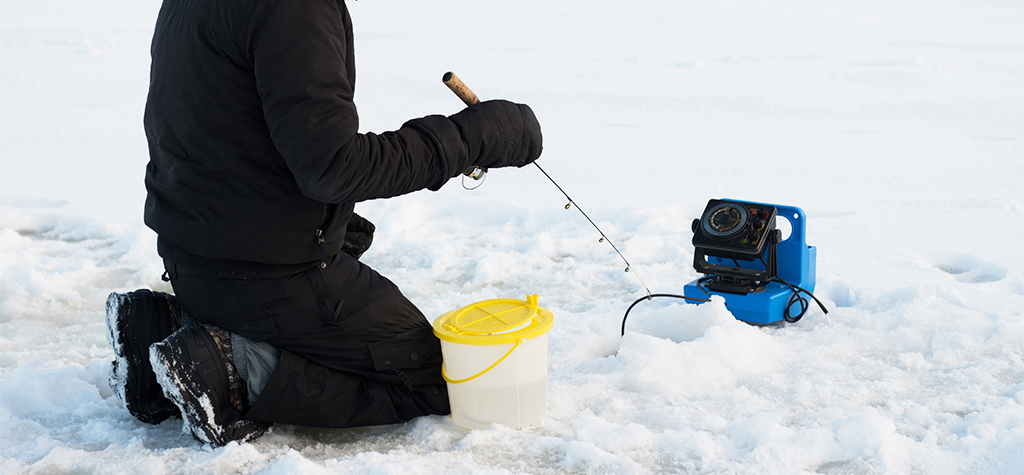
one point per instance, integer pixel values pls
(447, 76)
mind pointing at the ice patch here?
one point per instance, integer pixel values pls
(916, 61)
(292, 462)
(727, 350)
(968, 269)
(584, 457)
(611, 437)
(866, 433)
(41, 388)
(677, 322)
(913, 361)
(23, 202)
(872, 443)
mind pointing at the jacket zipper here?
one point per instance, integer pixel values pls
(320, 241)
(323, 248)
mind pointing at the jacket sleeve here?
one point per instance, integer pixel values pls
(301, 54)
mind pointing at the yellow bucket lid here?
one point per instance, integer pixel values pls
(495, 322)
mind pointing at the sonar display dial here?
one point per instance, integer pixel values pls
(724, 220)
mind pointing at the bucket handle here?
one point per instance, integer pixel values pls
(444, 374)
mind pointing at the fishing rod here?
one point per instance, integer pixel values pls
(479, 173)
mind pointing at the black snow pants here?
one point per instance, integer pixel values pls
(354, 350)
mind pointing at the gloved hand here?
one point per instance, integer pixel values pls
(500, 133)
(358, 236)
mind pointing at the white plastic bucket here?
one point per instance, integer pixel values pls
(496, 362)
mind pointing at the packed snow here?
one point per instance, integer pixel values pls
(897, 126)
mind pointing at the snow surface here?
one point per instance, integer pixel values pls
(898, 126)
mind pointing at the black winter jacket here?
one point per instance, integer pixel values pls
(253, 133)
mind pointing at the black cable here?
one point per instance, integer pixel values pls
(796, 298)
(700, 284)
(793, 299)
(651, 296)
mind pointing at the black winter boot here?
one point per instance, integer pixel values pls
(197, 376)
(134, 321)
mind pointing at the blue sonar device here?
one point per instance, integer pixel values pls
(744, 258)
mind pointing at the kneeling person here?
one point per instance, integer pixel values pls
(256, 164)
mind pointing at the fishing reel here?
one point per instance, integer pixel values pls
(747, 260)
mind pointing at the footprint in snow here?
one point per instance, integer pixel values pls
(968, 269)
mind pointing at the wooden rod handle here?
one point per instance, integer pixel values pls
(462, 90)
(459, 88)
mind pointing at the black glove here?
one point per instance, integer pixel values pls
(500, 133)
(358, 236)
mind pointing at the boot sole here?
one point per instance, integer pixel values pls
(131, 377)
(190, 370)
